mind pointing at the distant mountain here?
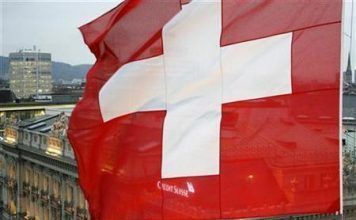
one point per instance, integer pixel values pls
(60, 70)
(66, 71)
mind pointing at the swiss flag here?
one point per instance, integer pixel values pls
(211, 109)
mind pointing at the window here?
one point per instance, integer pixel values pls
(69, 193)
(55, 188)
(44, 140)
(35, 137)
(11, 171)
(45, 183)
(36, 178)
(28, 175)
(81, 199)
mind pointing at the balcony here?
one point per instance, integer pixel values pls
(35, 194)
(55, 201)
(25, 216)
(29, 217)
(69, 207)
(44, 197)
(82, 213)
(25, 189)
(10, 182)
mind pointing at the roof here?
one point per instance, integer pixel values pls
(35, 106)
(57, 110)
(41, 124)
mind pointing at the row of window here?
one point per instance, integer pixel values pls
(37, 183)
(48, 142)
(22, 59)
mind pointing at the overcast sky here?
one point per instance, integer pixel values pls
(347, 31)
(53, 27)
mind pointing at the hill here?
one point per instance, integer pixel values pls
(66, 71)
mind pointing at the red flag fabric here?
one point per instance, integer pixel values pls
(208, 110)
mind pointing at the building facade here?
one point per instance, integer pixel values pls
(38, 173)
(30, 73)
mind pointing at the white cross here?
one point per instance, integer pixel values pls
(191, 80)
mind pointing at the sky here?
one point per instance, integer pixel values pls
(52, 25)
(347, 32)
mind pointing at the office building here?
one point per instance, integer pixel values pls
(30, 73)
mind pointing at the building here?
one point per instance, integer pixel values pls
(7, 96)
(349, 167)
(67, 92)
(26, 111)
(348, 72)
(30, 73)
(38, 172)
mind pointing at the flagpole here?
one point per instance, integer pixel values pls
(351, 39)
(343, 17)
(351, 26)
